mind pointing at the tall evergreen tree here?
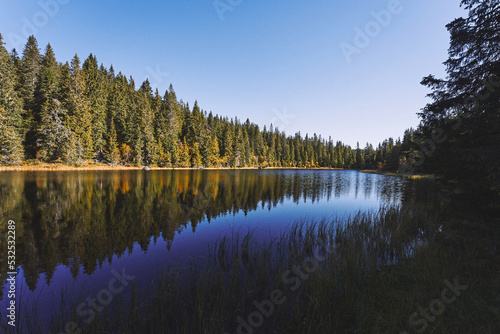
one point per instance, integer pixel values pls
(9, 98)
(112, 152)
(51, 131)
(11, 149)
(96, 90)
(53, 135)
(29, 74)
(461, 127)
(213, 153)
(79, 115)
(184, 158)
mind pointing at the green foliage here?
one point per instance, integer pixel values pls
(30, 72)
(460, 129)
(11, 150)
(77, 113)
(196, 156)
(96, 93)
(52, 133)
(11, 131)
(112, 152)
(213, 153)
(184, 158)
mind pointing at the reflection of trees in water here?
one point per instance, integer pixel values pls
(83, 219)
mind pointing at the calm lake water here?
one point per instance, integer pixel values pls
(74, 228)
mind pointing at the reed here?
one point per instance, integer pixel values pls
(366, 274)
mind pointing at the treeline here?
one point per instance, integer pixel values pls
(73, 113)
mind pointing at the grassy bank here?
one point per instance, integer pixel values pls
(43, 166)
(410, 176)
(366, 274)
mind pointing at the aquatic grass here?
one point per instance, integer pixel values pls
(379, 268)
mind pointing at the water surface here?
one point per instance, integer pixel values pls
(74, 228)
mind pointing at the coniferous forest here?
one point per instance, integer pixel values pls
(342, 251)
(74, 112)
(78, 112)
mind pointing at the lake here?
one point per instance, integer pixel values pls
(73, 229)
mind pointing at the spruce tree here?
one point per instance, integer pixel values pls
(29, 75)
(138, 148)
(465, 108)
(11, 150)
(52, 133)
(213, 153)
(96, 91)
(48, 80)
(184, 158)
(196, 156)
(112, 152)
(151, 152)
(79, 115)
(30, 72)
(228, 155)
(9, 98)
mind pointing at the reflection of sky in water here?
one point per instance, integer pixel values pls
(309, 195)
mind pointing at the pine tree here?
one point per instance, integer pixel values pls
(72, 150)
(30, 72)
(184, 159)
(29, 75)
(52, 133)
(465, 108)
(17, 65)
(196, 156)
(11, 150)
(150, 154)
(228, 156)
(112, 152)
(239, 148)
(9, 98)
(96, 91)
(79, 116)
(139, 146)
(47, 83)
(271, 158)
(213, 153)
(246, 149)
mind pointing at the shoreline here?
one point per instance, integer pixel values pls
(104, 167)
(410, 176)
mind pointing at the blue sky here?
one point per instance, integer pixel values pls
(277, 62)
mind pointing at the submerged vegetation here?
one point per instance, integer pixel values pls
(365, 274)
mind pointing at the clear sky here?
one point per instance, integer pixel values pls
(280, 62)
